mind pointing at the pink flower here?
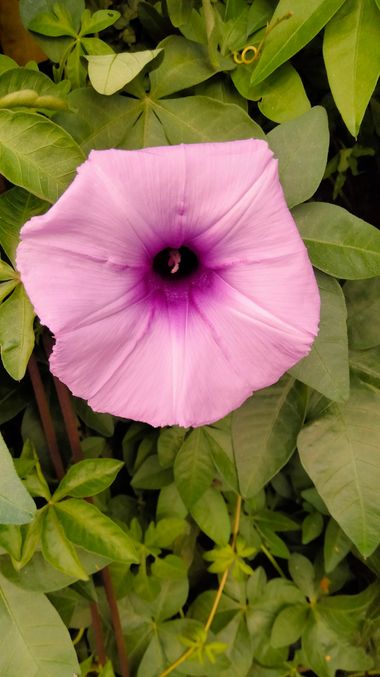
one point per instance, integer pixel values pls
(174, 280)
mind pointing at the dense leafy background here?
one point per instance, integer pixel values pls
(276, 506)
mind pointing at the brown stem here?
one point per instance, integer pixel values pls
(66, 408)
(116, 622)
(46, 420)
(98, 633)
(77, 454)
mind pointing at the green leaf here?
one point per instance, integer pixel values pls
(36, 154)
(162, 534)
(16, 332)
(14, 397)
(16, 207)
(211, 514)
(302, 573)
(110, 72)
(347, 479)
(289, 625)
(312, 527)
(325, 651)
(147, 130)
(220, 443)
(264, 433)
(292, 32)
(98, 21)
(281, 96)
(86, 526)
(326, 367)
(301, 146)
(193, 467)
(16, 506)
(339, 243)
(170, 503)
(96, 126)
(150, 475)
(57, 549)
(184, 64)
(88, 477)
(367, 364)
(336, 546)
(38, 575)
(75, 69)
(352, 58)
(11, 539)
(179, 11)
(7, 64)
(103, 423)
(363, 308)
(53, 48)
(197, 119)
(96, 47)
(169, 443)
(46, 94)
(55, 23)
(34, 640)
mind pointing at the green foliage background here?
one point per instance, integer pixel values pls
(247, 548)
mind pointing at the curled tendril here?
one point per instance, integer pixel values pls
(242, 57)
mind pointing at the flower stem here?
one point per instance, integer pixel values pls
(65, 404)
(219, 592)
(178, 662)
(46, 420)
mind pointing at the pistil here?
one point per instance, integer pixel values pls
(174, 260)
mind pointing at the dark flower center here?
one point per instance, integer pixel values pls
(174, 264)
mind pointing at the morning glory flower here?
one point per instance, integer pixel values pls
(174, 280)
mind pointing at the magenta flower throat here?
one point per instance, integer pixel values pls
(174, 280)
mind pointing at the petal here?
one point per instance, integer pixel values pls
(69, 289)
(256, 224)
(285, 287)
(186, 361)
(151, 365)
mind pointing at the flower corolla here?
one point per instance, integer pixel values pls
(174, 280)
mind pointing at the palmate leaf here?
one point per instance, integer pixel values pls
(184, 64)
(197, 119)
(88, 477)
(36, 154)
(33, 639)
(347, 479)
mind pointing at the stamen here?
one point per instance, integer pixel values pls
(174, 260)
